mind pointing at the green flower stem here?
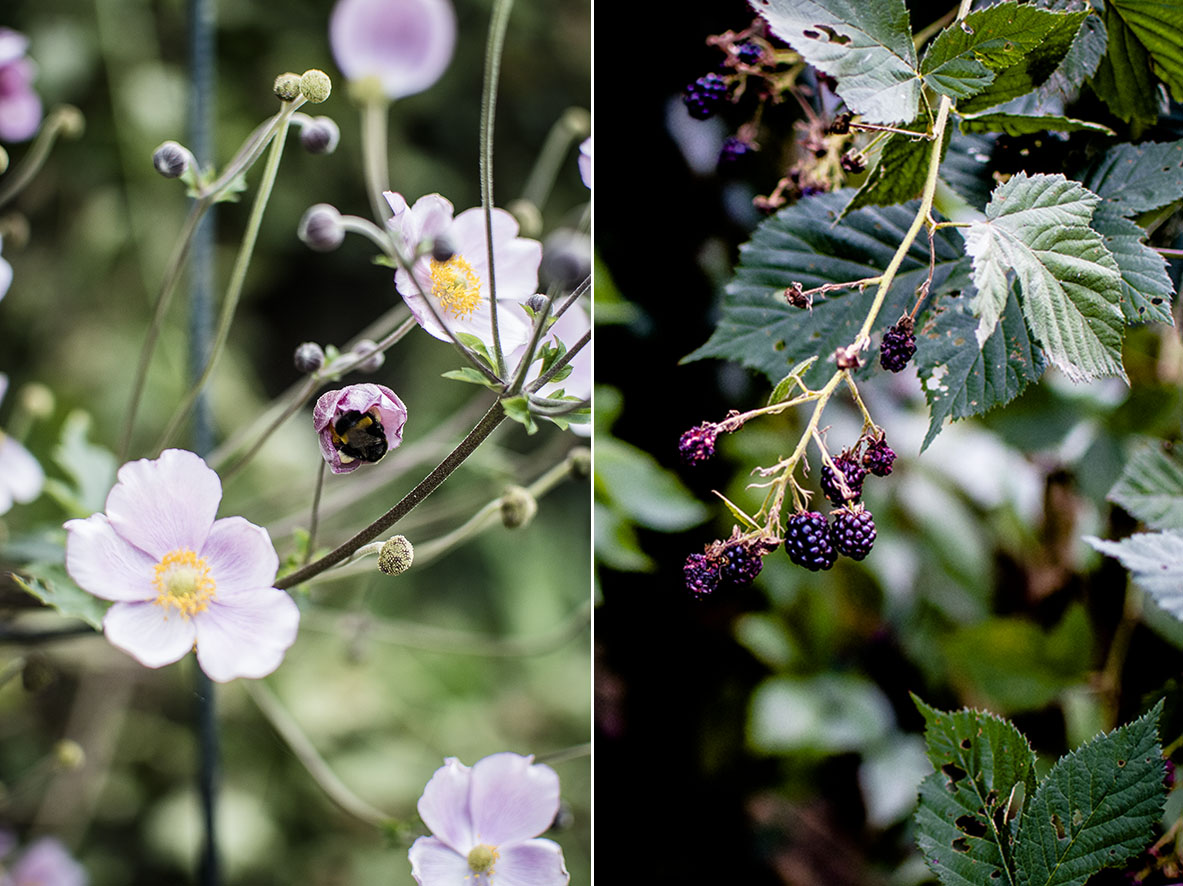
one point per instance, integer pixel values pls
(314, 520)
(409, 502)
(378, 236)
(237, 275)
(289, 730)
(561, 363)
(62, 120)
(496, 44)
(565, 755)
(573, 125)
(376, 153)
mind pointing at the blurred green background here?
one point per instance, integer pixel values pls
(485, 649)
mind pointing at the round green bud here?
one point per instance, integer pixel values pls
(580, 459)
(37, 400)
(69, 755)
(287, 87)
(396, 555)
(316, 86)
(481, 858)
(518, 507)
(70, 121)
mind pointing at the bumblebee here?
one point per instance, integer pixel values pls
(359, 435)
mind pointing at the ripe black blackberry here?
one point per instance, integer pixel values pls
(748, 52)
(703, 96)
(808, 541)
(702, 574)
(698, 444)
(741, 564)
(852, 471)
(734, 149)
(899, 345)
(853, 531)
(879, 457)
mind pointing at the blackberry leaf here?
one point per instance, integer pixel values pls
(1151, 487)
(1138, 178)
(1156, 561)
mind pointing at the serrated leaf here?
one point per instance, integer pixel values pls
(866, 47)
(1024, 124)
(1080, 63)
(1146, 288)
(967, 56)
(800, 243)
(1096, 808)
(1138, 178)
(1151, 486)
(50, 584)
(1070, 286)
(1124, 79)
(1155, 560)
(984, 775)
(1158, 25)
(899, 175)
(959, 378)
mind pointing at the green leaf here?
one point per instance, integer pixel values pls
(1138, 178)
(1156, 561)
(961, 380)
(900, 173)
(1096, 808)
(1069, 284)
(518, 409)
(984, 774)
(632, 482)
(866, 47)
(784, 388)
(1023, 124)
(966, 57)
(1158, 26)
(50, 584)
(471, 376)
(1146, 289)
(800, 243)
(1151, 486)
(89, 466)
(1080, 63)
(1124, 79)
(828, 713)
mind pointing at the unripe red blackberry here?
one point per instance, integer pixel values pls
(879, 457)
(698, 444)
(741, 564)
(899, 345)
(853, 531)
(852, 471)
(704, 95)
(808, 541)
(702, 574)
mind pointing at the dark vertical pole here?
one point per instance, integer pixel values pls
(202, 80)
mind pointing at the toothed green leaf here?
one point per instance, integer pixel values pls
(1151, 486)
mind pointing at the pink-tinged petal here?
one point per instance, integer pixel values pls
(151, 634)
(102, 563)
(247, 635)
(13, 45)
(165, 504)
(5, 277)
(20, 116)
(406, 44)
(585, 161)
(19, 472)
(444, 806)
(517, 269)
(434, 864)
(512, 798)
(533, 863)
(240, 556)
(332, 405)
(47, 863)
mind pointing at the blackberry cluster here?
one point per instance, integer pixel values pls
(734, 562)
(702, 574)
(698, 444)
(852, 471)
(853, 531)
(741, 564)
(899, 346)
(808, 541)
(879, 457)
(703, 96)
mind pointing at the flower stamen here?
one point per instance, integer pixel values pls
(183, 583)
(482, 857)
(456, 286)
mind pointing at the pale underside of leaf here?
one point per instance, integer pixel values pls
(1155, 559)
(1151, 486)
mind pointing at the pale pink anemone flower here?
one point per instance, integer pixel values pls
(21, 477)
(568, 329)
(485, 821)
(45, 863)
(357, 425)
(455, 294)
(20, 106)
(180, 578)
(585, 161)
(405, 45)
(5, 273)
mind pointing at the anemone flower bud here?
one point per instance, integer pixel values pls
(321, 228)
(518, 507)
(287, 87)
(536, 302)
(358, 424)
(171, 159)
(320, 135)
(396, 555)
(442, 249)
(315, 85)
(404, 45)
(309, 357)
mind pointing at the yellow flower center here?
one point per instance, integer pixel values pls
(183, 583)
(481, 858)
(456, 286)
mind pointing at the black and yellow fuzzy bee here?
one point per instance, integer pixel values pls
(359, 435)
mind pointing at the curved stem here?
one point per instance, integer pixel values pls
(63, 119)
(375, 154)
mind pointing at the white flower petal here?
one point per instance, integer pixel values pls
(151, 634)
(247, 635)
(512, 798)
(19, 471)
(5, 277)
(533, 863)
(434, 864)
(165, 504)
(444, 805)
(104, 564)
(240, 556)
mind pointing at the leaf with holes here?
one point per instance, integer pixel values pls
(760, 330)
(1069, 283)
(1155, 560)
(1138, 178)
(1151, 486)
(1146, 289)
(866, 47)
(985, 774)
(1096, 808)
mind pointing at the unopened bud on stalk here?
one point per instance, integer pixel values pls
(321, 228)
(374, 363)
(171, 159)
(581, 462)
(69, 755)
(396, 555)
(37, 400)
(71, 122)
(309, 357)
(442, 249)
(287, 87)
(536, 302)
(518, 507)
(315, 85)
(320, 135)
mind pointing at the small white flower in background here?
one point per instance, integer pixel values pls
(21, 478)
(180, 578)
(44, 863)
(5, 272)
(485, 821)
(585, 161)
(405, 45)
(20, 106)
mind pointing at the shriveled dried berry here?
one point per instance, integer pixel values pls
(879, 457)
(702, 574)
